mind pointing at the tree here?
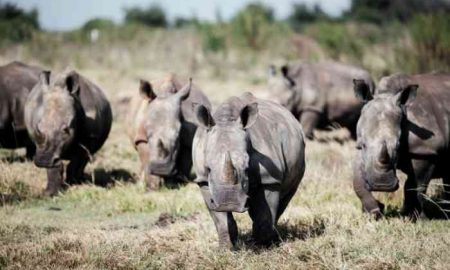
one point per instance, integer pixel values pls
(251, 24)
(385, 11)
(16, 24)
(302, 14)
(152, 16)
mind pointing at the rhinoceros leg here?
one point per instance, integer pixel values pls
(369, 203)
(75, 168)
(446, 182)
(263, 208)
(152, 182)
(415, 188)
(30, 151)
(309, 121)
(226, 228)
(54, 180)
(224, 221)
(284, 202)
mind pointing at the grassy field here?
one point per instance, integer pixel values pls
(112, 223)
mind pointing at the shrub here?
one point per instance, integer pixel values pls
(302, 14)
(152, 16)
(336, 39)
(431, 44)
(252, 25)
(16, 24)
(98, 23)
(214, 36)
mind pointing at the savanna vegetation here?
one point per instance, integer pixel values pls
(111, 222)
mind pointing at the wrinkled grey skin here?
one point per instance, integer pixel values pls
(320, 95)
(16, 81)
(68, 118)
(169, 130)
(248, 156)
(405, 126)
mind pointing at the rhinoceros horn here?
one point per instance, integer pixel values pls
(384, 155)
(228, 170)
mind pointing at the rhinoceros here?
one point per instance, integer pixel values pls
(319, 94)
(405, 125)
(248, 156)
(69, 118)
(16, 81)
(163, 128)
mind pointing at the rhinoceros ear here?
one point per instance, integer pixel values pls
(146, 90)
(362, 90)
(285, 72)
(185, 91)
(249, 114)
(73, 82)
(44, 77)
(203, 116)
(407, 94)
(272, 71)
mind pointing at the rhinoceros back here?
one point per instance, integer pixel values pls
(278, 144)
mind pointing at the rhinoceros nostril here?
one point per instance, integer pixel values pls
(163, 152)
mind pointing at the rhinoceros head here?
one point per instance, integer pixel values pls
(163, 125)
(55, 129)
(283, 87)
(379, 131)
(226, 155)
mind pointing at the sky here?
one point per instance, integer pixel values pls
(70, 14)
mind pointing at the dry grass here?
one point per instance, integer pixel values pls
(120, 226)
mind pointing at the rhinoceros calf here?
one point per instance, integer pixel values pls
(69, 118)
(163, 128)
(405, 126)
(249, 155)
(16, 81)
(320, 94)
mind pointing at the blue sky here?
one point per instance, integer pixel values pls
(70, 14)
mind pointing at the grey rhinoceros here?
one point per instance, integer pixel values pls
(69, 118)
(16, 81)
(248, 156)
(319, 94)
(405, 126)
(162, 129)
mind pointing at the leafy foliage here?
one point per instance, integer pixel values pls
(431, 44)
(251, 26)
(152, 16)
(385, 11)
(16, 24)
(302, 14)
(98, 23)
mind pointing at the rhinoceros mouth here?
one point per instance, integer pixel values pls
(46, 161)
(389, 187)
(228, 199)
(163, 168)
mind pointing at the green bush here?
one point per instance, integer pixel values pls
(336, 39)
(98, 23)
(214, 36)
(302, 14)
(252, 25)
(152, 16)
(431, 39)
(17, 25)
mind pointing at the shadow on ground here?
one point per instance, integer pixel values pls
(108, 178)
(435, 208)
(287, 232)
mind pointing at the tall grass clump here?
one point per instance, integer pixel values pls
(431, 40)
(252, 26)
